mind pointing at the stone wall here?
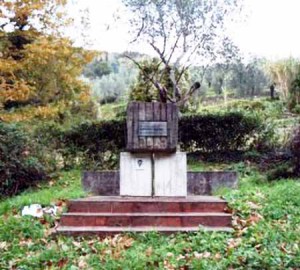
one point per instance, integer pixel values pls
(107, 183)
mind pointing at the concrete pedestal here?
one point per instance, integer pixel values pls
(170, 174)
(135, 174)
(167, 177)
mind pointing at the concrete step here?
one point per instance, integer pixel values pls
(112, 204)
(163, 219)
(107, 231)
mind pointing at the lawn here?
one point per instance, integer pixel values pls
(266, 235)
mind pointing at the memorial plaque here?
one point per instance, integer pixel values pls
(153, 129)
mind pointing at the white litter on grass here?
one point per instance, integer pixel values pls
(36, 210)
(51, 210)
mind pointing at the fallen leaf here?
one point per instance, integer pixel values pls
(82, 263)
(51, 183)
(76, 244)
(168, 265)
(64, 247)
(217, 256)
(62, 262)
(258, 246)
(149, 251)
(233, 243)
(254, 218)
(128, 242)
(169, 254)
(198, 255)
(206, 254)
(253, 205)
(3, 245)
(282, 247)
(180, 257)
(60, 203)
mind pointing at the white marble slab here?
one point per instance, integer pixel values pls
(135, 174)
(170, 174)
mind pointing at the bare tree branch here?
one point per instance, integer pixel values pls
(180, 30)
(140, 31)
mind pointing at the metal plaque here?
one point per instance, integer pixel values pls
(153, 129)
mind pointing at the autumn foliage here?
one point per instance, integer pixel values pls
(38, 65)
(39, 79)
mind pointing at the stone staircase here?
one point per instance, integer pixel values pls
(108, 215)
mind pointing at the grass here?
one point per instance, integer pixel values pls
(266, 236)
(194, 165)
(68, 186)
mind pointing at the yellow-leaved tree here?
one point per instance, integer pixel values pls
(38, 66)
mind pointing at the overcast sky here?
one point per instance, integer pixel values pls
(270, 30)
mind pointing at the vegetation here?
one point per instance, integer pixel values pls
(295, 149)
(38, 66)
(144, 90)
(285, 73)
(219, 132)
(227, 130)
(180, 34)
(59, 115)
(243, 79)
(111, 76)
(266, 235)
(20, 163)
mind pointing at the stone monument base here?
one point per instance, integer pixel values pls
(159, 174)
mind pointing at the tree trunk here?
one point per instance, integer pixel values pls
(272, 91)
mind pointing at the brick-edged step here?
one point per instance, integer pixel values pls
(107, 231)
(116, 214)
(146, 205)
(146, 219)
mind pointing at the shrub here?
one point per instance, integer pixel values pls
(101, 141)
(97, 143)
(295, 149)
(280, 171)
(296, 109)
(287, 163)
(219, 132)
(294, 96)
(248, 105)
(97, 137)
(20, 167)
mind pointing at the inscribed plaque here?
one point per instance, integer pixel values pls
(152, 129)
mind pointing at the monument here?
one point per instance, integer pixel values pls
(152, 166)
(153, 189)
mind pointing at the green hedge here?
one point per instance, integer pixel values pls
(97, 137)
(208, 133)
(218, 132)
(20, 166)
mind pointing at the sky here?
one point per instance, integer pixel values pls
(269, 30)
